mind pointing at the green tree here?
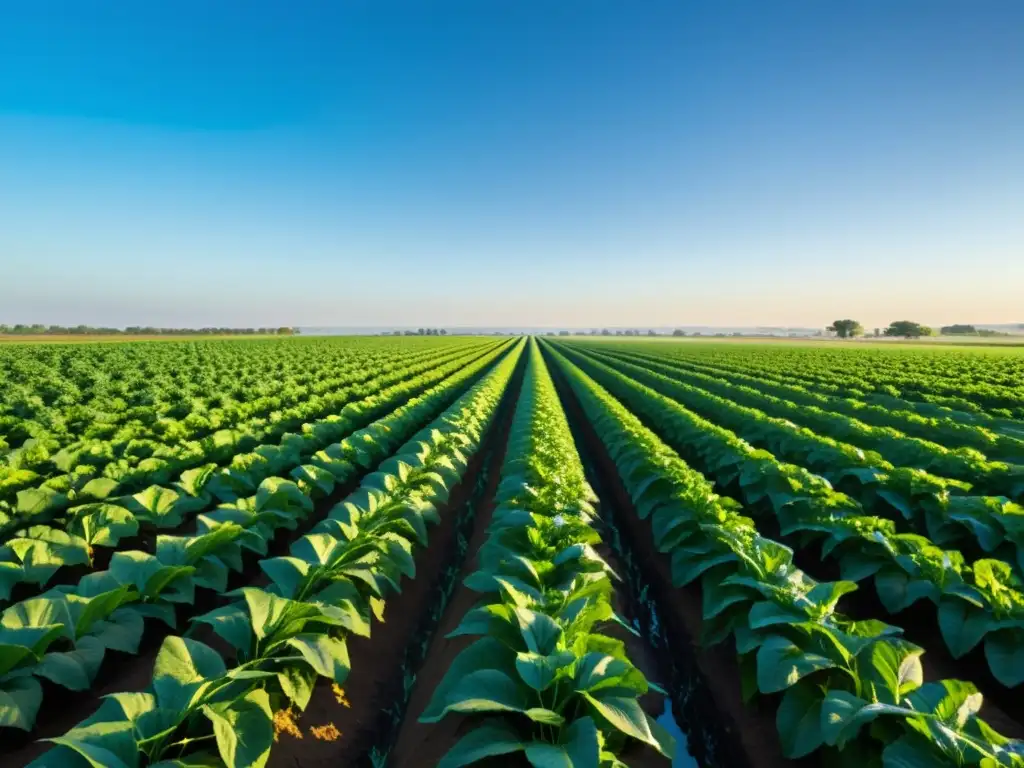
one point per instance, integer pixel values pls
(959, 330)
(908, 329)
(846, 329)
(678, 332)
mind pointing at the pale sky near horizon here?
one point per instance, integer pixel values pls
(511, 162)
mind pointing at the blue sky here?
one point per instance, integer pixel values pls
(511, 162)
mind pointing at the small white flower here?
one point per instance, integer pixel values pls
(559, 521)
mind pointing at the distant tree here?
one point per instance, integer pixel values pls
(878, 332)
(563, 333)
(678, 332)
(285, 331)
(605, 332)
(908, 329)
(651, 333)
(846, 329)
(444, 332)
(959, 330)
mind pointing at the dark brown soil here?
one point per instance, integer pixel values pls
(424, 745)
(722, 730)
(376, 679)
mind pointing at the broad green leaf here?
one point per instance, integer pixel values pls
(543, 755)
(781, 664)
(963, 625)
(231, 622)
(799, 720)
(486, 690)
(890, 669)
(582, 743)
(327, 655)
(539, 671)
(623, 712)
(244, 729)
(598, 669)
(20, 699)
(75, 669)
(540, 632)
(544, 715)
(488, 740)
(102, 744)
(1004, 652)
(297, 683)
(183, 670)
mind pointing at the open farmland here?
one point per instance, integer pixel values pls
(459, 551)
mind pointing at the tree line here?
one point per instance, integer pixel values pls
(418, 332)
(907, 329)
(36, 329)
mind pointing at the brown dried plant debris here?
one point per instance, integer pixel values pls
(284, 722)
(339, 695)
(325, 732)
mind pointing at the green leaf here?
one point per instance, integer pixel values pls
(963, 625)
(843, 715)
(103, 525)
(799, 720)
(102, 745)
(540, 632)
(582, 743)
(539, 671)
(913, 752)
(327, 655)
(231, 622)
(543, 715)
(297, 683)
(244, 729)
(286, 572)
(1004, 652)
(489, 740)
(75, 669)
(276, 615)
(156, 505)
(623, 712)
(486, 690)
(543, 755)
(890, 669)
(598, 669)
(485, 653)
(20, 699)
(183, 670)
(781, 664)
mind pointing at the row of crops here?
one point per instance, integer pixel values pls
(389, 552)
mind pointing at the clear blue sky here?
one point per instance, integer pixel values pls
(511, 161)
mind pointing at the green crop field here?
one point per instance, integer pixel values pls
(449, 551)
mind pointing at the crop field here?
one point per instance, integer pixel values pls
(548, 552)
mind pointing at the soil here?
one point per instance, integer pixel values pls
(424, 745)
(722, 730)
(377, 677)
